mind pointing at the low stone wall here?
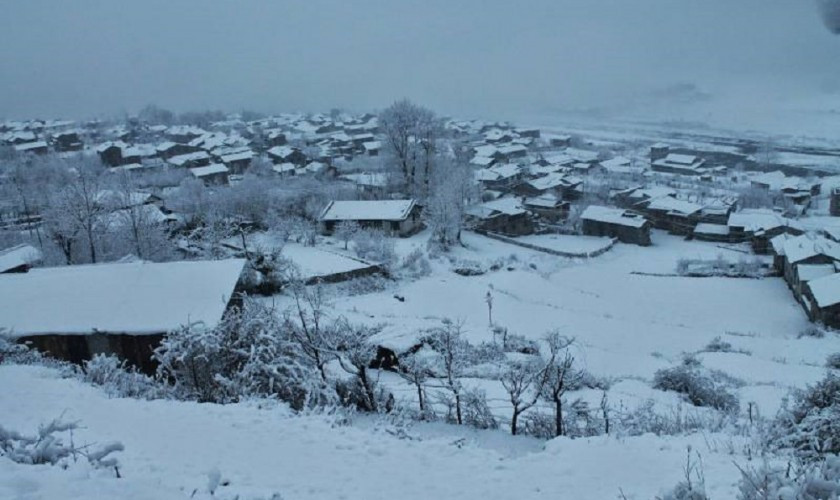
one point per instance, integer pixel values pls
(551, 251)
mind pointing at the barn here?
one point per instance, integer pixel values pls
(398, 217)
(616, 223)
(125, 309)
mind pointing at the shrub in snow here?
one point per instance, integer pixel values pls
(468, 268)
(819, 482)
(374, 246)
(693, 486)
(248, 354)
(833, 361)
(646, 419)
(364, 285)
(718, 345)
(415, 265)
(518, 343)
(810, 426)
(812, 331)
(698, 386)
(48, 446)
(121, 380)
(476, 413)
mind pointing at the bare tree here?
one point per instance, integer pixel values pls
(447, 340)
(306, 322)
(411, 136)
(352, 347)
(560, 375)
(415, 368)
(345, 230)
(451, 182)
(524, 381)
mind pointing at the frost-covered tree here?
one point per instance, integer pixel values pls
(345, 231)
(447, 339)
(523, 380)
(411, 140)
(450, 186)
(560, 375)
(353, 348)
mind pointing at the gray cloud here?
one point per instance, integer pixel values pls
(483, 58)
(830, 12)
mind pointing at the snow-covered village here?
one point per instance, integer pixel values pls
(407, 292)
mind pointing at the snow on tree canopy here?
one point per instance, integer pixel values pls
(132, 298)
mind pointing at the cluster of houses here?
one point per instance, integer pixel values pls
(293, 143)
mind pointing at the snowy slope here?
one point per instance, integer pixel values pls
(171, 446)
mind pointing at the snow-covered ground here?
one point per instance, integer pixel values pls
(628, 317)
(171, 447)
(568, 243)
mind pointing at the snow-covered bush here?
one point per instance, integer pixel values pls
(697, 384)
(375, 246)
(50, 446)
(364, 285)
(645, 419)
(120, 379)
(833, 361)
(415, 265)
(468, 268)
(810, 426)
(812, 331)
(248, 354)
(693, 485)
(821, 482)
(520, 344)
(476, 412)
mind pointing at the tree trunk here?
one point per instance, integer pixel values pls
(558, 416)
(513, 421)
(458, 409)
(420, 399)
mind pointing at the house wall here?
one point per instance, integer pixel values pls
(625, 234)
(135, 349)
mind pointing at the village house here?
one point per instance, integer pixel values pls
(504, 216)
(500, 177)
(672, 214)
(67, 141)
(679, 164)
(190, 160)
(19, 259)
(125, 309)
(548, 207)
(169, 149)
(806, 250)
(37, 147)
(821, 298)
(759, 226)
(212, 175)
(616, 223)
(395, 217)
(287, 154)
(237, 161)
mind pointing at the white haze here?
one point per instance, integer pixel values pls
(744, 63)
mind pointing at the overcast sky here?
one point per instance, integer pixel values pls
(482, 58)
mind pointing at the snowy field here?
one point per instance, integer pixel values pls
(629, 321)
(172, 447)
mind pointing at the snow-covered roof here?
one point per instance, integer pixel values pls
(284, 167)
(673, 205)
(216, 168)
(547, 200)
(507, 170)
(716, 229)
(826, 290)
(485, 150)
(619, 162)
(17, 256)
(372, 146)
(755, 220)
(27, 146)
(133, 298)
(482, 161)
(548, 181)
(612, 216)
(502, 206)
(244, 155)
(804, 247)
(180, 160)
(371, 179)
(808, 272)
(368, 210)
